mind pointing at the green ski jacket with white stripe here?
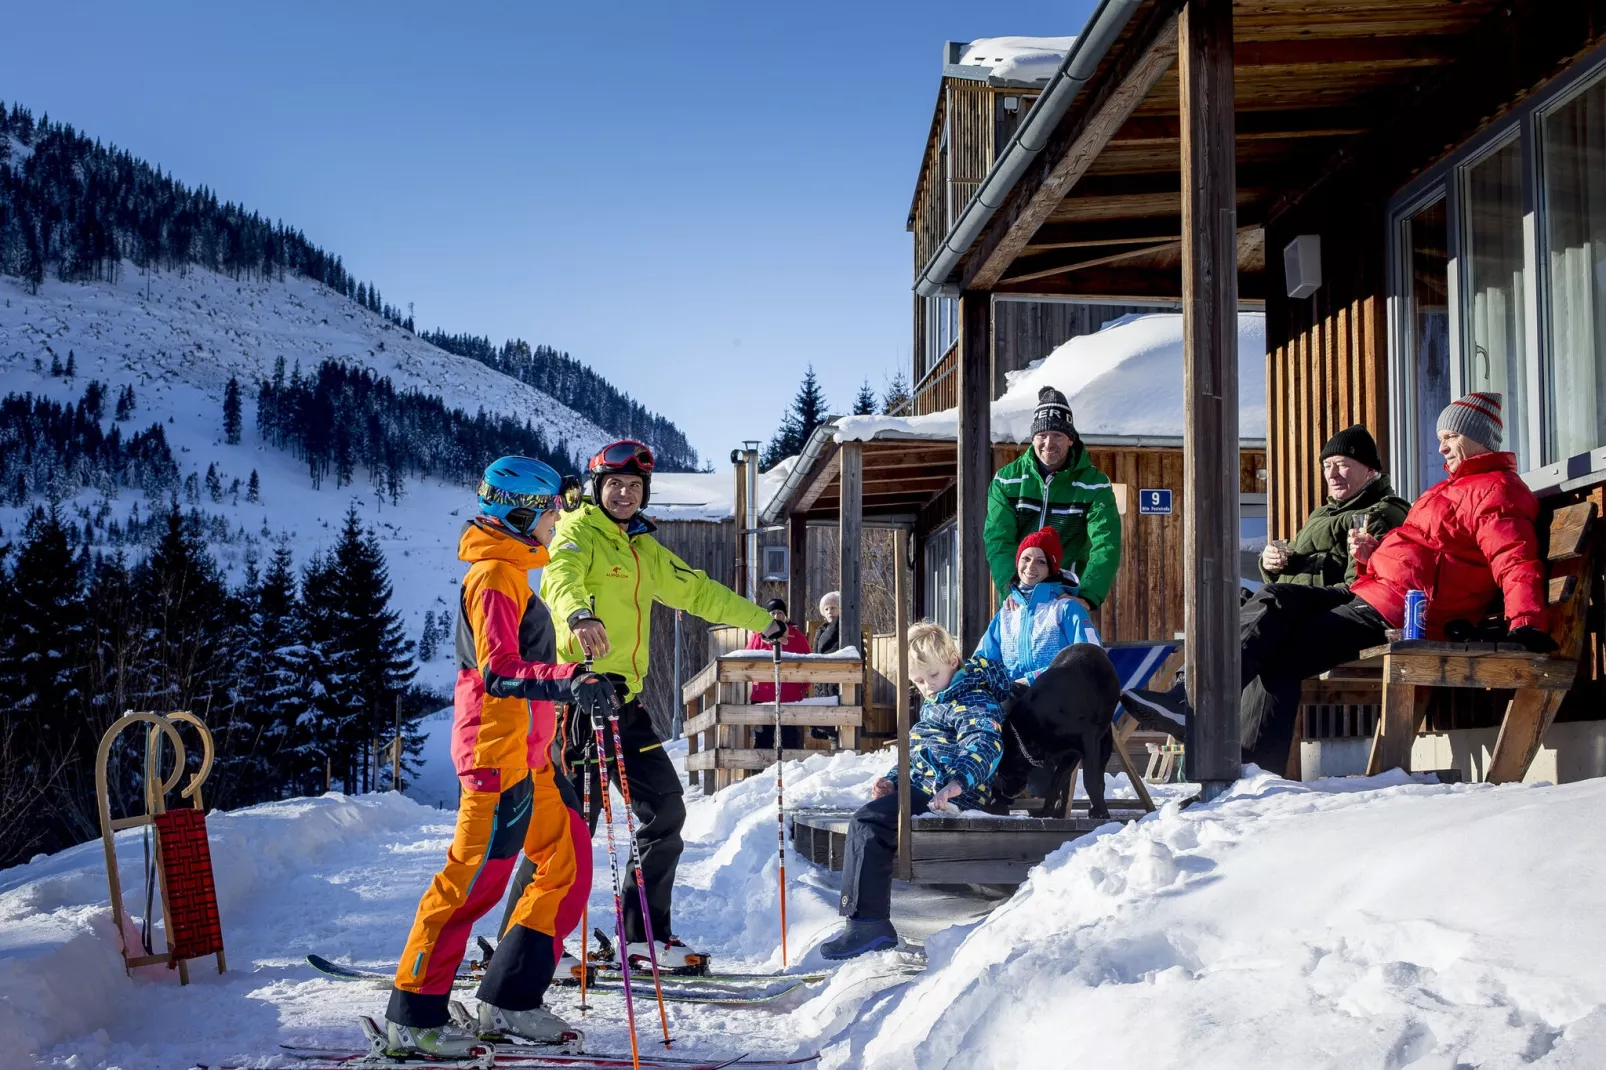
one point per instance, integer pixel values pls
(1076, 502)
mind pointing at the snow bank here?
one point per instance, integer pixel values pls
(1123, 380)
(1018, 59)
(61, 975)
(1317, 925)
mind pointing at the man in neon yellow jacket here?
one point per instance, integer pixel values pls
(606, 572)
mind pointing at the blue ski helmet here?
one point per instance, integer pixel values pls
(517, 490)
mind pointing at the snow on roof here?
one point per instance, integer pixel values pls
(1017, 59)
(708, 495)
(1124, 380)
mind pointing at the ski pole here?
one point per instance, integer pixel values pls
(635, 860)
(618, 900)
(585, 905)
(780, 808)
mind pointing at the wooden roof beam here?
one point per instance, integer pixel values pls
(1268, 125)
(1068, 155)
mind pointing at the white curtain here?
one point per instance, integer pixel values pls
(1494, 357)
(1574, 148)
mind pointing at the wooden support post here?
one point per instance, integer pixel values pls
(1210, 387)
(974, 582)
(850, 533)
(1396, 726)
(900, 627)
(797, 567)
(1528, 717)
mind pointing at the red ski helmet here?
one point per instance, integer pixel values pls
(627, 457)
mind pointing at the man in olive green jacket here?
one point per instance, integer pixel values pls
(606, 572)
(1054, 484)
(1319, 555)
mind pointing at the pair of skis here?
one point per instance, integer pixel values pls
(513, 1057)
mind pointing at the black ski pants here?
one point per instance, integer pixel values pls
(867, 860)
(656, 798)
(1290, 631)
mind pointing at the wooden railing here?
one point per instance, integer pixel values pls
(720, 721)
(939, 388)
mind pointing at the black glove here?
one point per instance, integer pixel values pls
(1536, 641)
(594, 694)
(774, 632)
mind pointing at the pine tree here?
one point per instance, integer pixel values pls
(94, 400)
(253, 489)
(192, 489)
(185, 603)
(125, 403)
(72, 364)
(55, 366)
(47, 630)
(865, 403)
(214, 483)
(805, 414)
(896, 398)
(427, 641)
(231, 412)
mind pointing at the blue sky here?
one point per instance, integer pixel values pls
(696, 199)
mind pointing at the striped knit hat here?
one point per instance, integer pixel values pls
(1477, 416)
(1053, 413)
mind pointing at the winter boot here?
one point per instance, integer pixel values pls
(534, 1026)
(441, 1042)
(1158, 711)
(862, 936)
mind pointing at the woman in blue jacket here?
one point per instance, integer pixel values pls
(1041, 615)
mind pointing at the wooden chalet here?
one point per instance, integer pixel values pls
(1411, 190)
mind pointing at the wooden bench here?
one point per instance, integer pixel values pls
(720, 721)
(973, 847)
(1399, 674)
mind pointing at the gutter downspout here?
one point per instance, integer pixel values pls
(1091, 46)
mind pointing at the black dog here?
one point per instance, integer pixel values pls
(1067, 713)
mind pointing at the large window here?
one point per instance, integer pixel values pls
(942, 329)
(942, 576)
(1499, 268)
(1573, 163)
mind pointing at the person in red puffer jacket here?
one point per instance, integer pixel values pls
(1468, 543)
(763, 693)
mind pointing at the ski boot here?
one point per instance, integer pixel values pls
(568, 971)
(398, 1045)
(674, 958)
(862, 936)
(534, 1027)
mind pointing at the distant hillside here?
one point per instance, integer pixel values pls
(578, 387)
(83, 212)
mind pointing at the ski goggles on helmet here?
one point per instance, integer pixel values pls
(623, 455)
(571, 493)
(536, 503)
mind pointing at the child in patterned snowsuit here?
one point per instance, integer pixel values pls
(953, 751)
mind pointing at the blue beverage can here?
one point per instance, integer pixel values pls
(1416, 614)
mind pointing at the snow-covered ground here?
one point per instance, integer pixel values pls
(178, 350)
(1383, 922)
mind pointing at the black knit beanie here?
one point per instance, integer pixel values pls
(1053, 413)
(1356, 443)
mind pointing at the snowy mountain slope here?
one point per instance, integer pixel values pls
(179, 349)
(198, 328)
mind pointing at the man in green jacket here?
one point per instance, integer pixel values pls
(1319, 555)
(606, 572)
(1054, 484)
